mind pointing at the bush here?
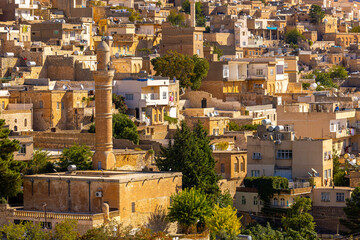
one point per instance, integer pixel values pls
(170, 119)
(305, 85)
(249, 127)
(234, 126)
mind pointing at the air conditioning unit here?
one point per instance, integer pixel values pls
(98, 194)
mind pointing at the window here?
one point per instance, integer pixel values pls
(198, 52)
(275, 201)
(129, 97)
(255, 173)
(286, 65)
(329, 173)
(25, 122)
(340, 197)
(62, 105)
(243, 200)
(58, 105)
(325, 174)
(255, 200)
(23, 149)
(256, 155)
(282, 202)
(195, 37)
(279, 69)
(284, 154)
(41, 104)
(72, 34)
(244, 43)
(200, 37)
(259, 72)
(236, 167)
(133, 207)
(271, 71)
(3, 105)
(222, 168)
(15, 120)
(289, 128)
(164, 95)
(325, 197)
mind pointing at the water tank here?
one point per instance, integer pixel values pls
(271, 128)
(266, 122)
(30, 64)
(9, 54)
(279, 128)
(71, 168)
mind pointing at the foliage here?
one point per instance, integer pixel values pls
(176, 19)
(324, 78)
(40, 163)
(218, 51)
(124, 128)
(79, 155)
(298, 223)
(266, 186)
(191, 154)
(308, 76)
(170, 119)
(188, 70)
(249, 127)
(355, 29)
(66, 230)
(316, 14)
(258, 232)
(233, 126)
(305, 85)
(135, 16)
(222, 146)
(119, 102)
(10, 178)
(339, 174)
(26, 230)
(145, 51)
(338, 72)
(293, 36)
(224, 200)
(352, 212)
(200, 17)
(92, 128)
(189, 207)
(223, 222)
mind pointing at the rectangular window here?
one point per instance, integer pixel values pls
(133, 207)
(243, 200)
(255, 173)
(256, 155)
(329, 173)
(340, 197)
(198, 52)
(164, 95)
(200, 37)
(325, 197)
(195, 37)
(23, 149)
(259, 72)
(325, 174)
(271, 71)
(129, 97)
(279, 69)
(284, 154)
(222, 168)
(236, 167)
(58, 105)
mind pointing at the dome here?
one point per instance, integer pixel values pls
(102, 46)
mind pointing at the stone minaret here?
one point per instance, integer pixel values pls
(104, 157)
(192, 14)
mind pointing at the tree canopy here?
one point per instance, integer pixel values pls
(188, 70)
(119, 102)
(79, 155)
(40, 163)
(176, 19)
(352, 211)
(124, 128)
(10, 177)
(191, 154)
(293, 36)
(200, 17)
(316, 14)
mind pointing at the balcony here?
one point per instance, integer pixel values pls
(345, 132)
(152, 99)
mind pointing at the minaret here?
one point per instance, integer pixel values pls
(192, 14)
(104, 157)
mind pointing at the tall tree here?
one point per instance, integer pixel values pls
(200, 16)
(188, 70)
(191, 154)
(338, 72)
(119, 102)
(352, 211)
(124, 128)
(293, 36)
(40, 163)
(316, 14)
(10, 177)
(175, 18)
(298, 222)
(79, 155)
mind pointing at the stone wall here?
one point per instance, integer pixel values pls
(327, 218)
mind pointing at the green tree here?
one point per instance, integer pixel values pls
(355, 29)
(233, 126)
(119, 102)
(79, 155)
(298, 222)
(324, 78)
(10, 177)
(200, 17)
(24, 231)
(224, 223)
(352, 212)
(175, 18)
(189, 207)
(338, 72)
(293, 37)
(191, 154)
(124, 128)
(66, 230)
(258, 232)
(188, 70)
(339, 174)
(135, 16)
(218, 51)
(92, 128)
(316, 13)
(40, 163)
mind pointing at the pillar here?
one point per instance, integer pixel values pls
(192, 14)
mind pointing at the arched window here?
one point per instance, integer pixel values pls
(15, 128)
(275, 201)
(255, 200)
(282, 202)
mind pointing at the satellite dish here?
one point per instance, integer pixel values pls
(82, 87)
(64, 87)
(352, 156)
(314, 170)
(310, 174)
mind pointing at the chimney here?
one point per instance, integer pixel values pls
(192, 14)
